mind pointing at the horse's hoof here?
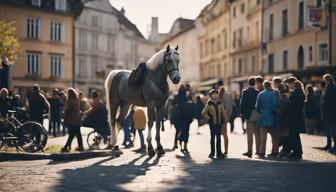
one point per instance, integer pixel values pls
(151, 152)
(160, 151)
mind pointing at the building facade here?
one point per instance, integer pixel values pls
(293, 44)
(45, 33)
(184, 35)
(106, 40)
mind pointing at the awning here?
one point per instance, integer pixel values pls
(240, 79)
(209, 82)
(204, 88)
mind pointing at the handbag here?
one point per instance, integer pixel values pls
(255, 115)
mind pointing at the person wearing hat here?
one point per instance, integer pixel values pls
(216, 115)
(37, 105)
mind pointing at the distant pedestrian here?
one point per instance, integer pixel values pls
(283, 118)
(216, 115)
(139, 123)
(311, 110)
(297, 124)
(55, 114)
(266, 105)
(248, 111)
(227, 100)
(72, 119)
(329, 110)
(127, 127)
(38, 105)
(5, 73)
(199, 105)
(188, 111)
(177, 116)
(4, 102)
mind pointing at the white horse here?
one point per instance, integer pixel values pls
(152, 93)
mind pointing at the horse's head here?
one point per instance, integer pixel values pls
(171, 64)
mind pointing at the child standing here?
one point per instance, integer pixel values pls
(139, 123)
(216, 115)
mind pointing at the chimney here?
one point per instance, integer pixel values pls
(122, 11)
(155, 26)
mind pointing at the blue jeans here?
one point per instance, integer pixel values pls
(142, 139)
(215, 133)
(127, 134)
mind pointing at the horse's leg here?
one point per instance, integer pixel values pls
(158, 120)
(113, 112)
(151, 115)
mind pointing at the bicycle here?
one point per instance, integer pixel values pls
(99, 139)
(28, 136)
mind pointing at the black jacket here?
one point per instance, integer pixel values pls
(38, 105)
(248, 101)
(311, 107)
(4, 76)
(329, 103)
(296, 107)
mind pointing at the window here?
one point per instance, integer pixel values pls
(310, 55)
(56, 31)
(82, 40)
(285, 60)
(82, 67)
(225, 40)
(301, 16)
(242, 8)
(319, 3)
(60, 5)
(253, 64)
(33, 28)
(257, 30)
(258, 2)
(324, 53)
(56, 66)
(33, 63)
(240, 66)
(240, 40)
(212, 46)
(94, 66)
(110, 44)
(271, 27)
(201, 49)
(284, 22)
(206, 47)
(270, 63)
(94, 41)
(36, 3)
(234, 39)
(94, 21)
(234, 12)
(219, 47)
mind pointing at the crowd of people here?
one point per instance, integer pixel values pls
(282, 107)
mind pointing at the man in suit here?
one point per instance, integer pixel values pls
(4, 74)
(247, 107)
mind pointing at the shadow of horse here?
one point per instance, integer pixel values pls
(100, 177)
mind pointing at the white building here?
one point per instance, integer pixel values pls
(106, 40)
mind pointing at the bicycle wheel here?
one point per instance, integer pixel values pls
(97, 141)
(31, 137)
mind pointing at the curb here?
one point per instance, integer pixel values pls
(9, 156)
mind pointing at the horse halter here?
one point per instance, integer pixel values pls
(169, 69)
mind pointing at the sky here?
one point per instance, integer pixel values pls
(140, 12)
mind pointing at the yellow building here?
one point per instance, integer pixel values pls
(213, 25)
(295, 45)
(45, 33)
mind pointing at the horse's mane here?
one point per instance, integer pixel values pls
(156, 59)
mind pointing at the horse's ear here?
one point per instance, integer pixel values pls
(168, 48)
(176, 48)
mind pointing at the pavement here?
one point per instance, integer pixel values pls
(176, 171)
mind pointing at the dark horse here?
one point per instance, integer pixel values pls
(152, 93)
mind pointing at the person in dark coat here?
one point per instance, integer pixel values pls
(296, 120)
(188, 111)
(283, 117)
(4, 102)
(55, 114)
(247, 106)
(199, 105)
(38, 105)
(4, 74)
(177, 118)
(320, 88)
(311, 110)
(72, 119)
(329, 109)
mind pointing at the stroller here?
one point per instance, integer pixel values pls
(99, 138)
